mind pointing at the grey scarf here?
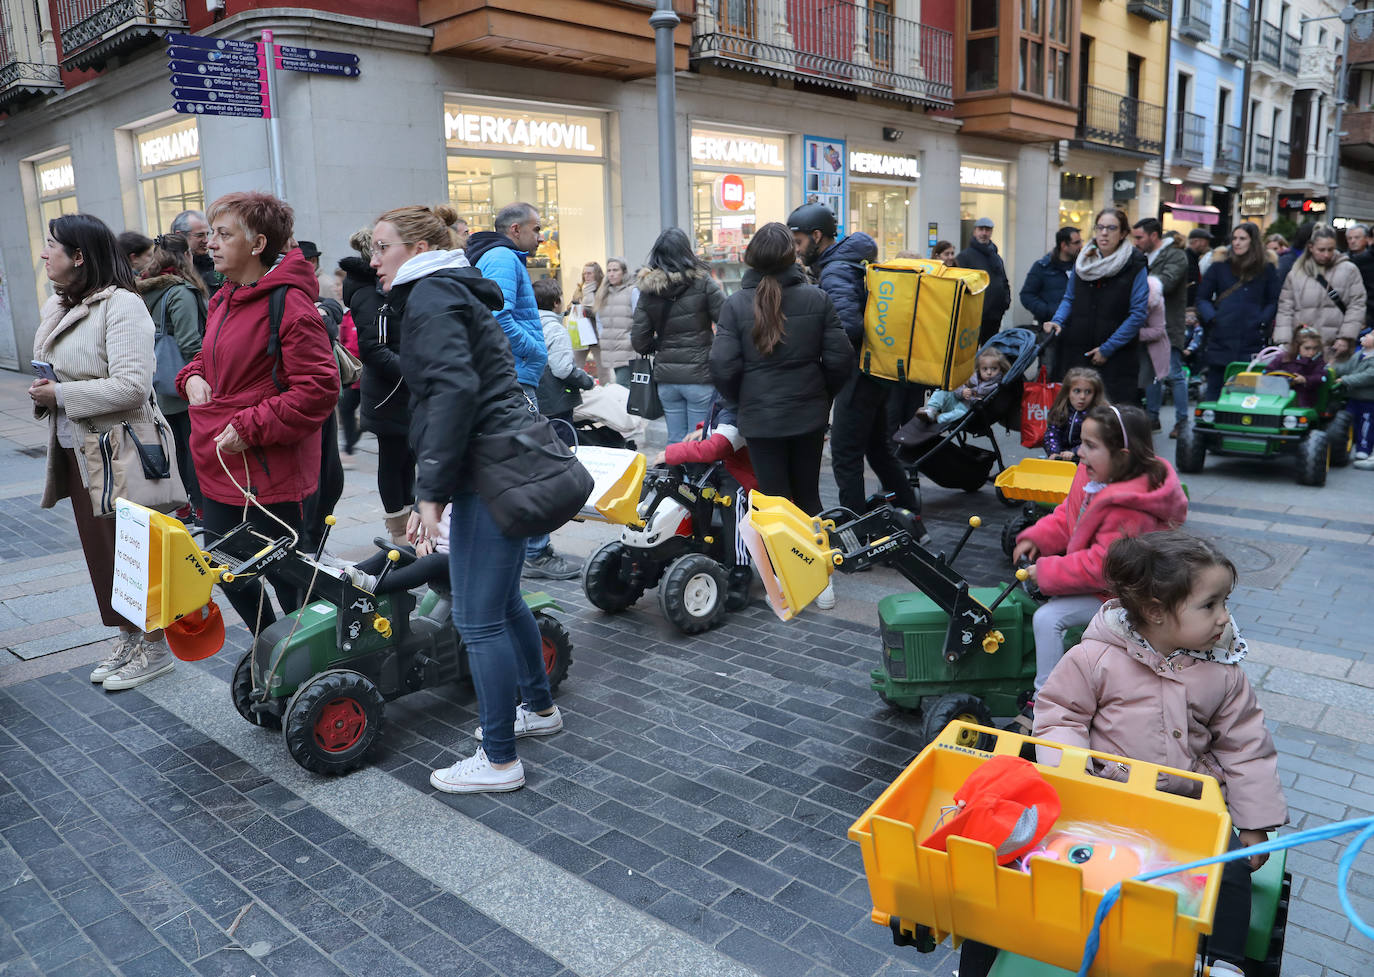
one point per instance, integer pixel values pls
(1092, 265)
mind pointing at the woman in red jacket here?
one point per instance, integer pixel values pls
(256, 415)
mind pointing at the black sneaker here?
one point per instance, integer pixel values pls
(548, 565)
(1155, 425)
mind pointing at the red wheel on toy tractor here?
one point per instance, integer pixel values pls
(333, 722)
(557, 649)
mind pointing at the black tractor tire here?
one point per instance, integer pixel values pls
(1272, 963)
(692, 593)
(958, 705)
(241, 690)
(603, 579)
(1314, 459)
(557, 648)
(1014, 527)
(1340, 434)
(333, 722)
(1190, 454)
(1003, 498)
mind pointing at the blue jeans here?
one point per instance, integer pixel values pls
(1177, 381)
(685, 405)
(505, 651)
(535, 544)
(946, 405)
(1362, 421)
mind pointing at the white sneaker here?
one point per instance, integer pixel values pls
(476, 775)
(825, 600)
(149, 660)
(530, 723)
(119, 656)
(1364, 464)
(361, 580)
(1361, 455)
(1220, 968)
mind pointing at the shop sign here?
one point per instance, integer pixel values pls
(730, 192)
(1254, 203)
(168, 148)
(983, 177)
(713, 148)
(1188, 196)
(56, 177)
(1308, 205)
(541, 133)
(1125, 184)
(876, 164)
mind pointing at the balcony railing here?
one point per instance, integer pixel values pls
(1195, 21)
(1269, 43)
(1262, 154)
(833, 43)
(1235, 32)
(91, 31)
(1190, 138)
(1282, 162)
(1149, 9)
(1229, 150)
(1291, 44)
(19, 77)
(1113, 119)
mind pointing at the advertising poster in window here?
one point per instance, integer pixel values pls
(824, 175)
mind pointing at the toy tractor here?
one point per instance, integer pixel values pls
(1258, 415)
(323, 673)
(672, 539)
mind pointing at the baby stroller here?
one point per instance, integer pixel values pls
(943, 452)
(601, 419)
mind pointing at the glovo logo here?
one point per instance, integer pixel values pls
(883, 302)
(967, 338)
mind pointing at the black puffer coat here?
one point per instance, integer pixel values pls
(459, 368)
(787, 392)
(673, 322)
(385, 400)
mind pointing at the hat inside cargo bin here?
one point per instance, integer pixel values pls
(1004, 803)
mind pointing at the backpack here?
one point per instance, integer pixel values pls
(921, 321)
(350, 367)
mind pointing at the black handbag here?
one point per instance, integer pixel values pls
(643, 400)
(530, 480)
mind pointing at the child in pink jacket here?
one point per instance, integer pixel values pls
(1121, 489)
(1157, 677)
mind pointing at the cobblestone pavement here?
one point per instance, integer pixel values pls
(691, 820)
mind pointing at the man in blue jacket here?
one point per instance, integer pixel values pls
(858, 425)
(1049, 277)
(500, 256)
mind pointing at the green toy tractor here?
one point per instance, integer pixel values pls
(1257, 414)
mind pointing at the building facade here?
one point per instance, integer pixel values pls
(1355, 194)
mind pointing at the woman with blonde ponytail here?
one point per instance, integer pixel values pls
(781, 354)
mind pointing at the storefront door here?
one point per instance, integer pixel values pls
(880, 201)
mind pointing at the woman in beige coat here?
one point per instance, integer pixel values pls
(1325, 291)
(98, 337)
(615, 312)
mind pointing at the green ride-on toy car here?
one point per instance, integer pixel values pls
(1258, 415)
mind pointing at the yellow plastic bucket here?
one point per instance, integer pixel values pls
(619, 503)
(1037, 480)
(791, 550)
(160, 574)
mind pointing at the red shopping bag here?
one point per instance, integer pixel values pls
(1036, 401)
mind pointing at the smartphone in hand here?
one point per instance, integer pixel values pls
(43, 370)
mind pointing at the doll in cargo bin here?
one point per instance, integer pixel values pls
(948, 405)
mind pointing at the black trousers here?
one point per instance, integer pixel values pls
(181, 436)
(790, 467)
(395, 472)
(330, 487)
(243, 595)
(349, 399)
(859, 430)
(430, 569)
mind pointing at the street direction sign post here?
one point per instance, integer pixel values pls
(220, 108)
(318, 67)
(316, 54)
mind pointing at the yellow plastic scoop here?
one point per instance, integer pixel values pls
(160, 574)
(792, 551)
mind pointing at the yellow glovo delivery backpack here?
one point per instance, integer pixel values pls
(921, 322)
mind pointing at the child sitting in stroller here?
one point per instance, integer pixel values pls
(945, 406)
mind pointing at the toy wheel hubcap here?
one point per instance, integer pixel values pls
(340, 725)
(550, 655)
(968, 737)
(699, 594)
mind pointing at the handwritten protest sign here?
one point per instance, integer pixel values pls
(133, 553)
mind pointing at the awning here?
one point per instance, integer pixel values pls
(1197, 213)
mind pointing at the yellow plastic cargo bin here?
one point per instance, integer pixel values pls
(1045, 914)
(1037, 480)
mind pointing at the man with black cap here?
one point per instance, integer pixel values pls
(858, 425)
(982, 253)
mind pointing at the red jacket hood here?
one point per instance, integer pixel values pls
(292, 270)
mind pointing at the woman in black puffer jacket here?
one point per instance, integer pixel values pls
(385, 397)
(782, 355)
(678, 303)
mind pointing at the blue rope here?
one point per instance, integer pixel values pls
(1365, 826)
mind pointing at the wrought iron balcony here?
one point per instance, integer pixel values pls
(90, 32)
(1262, 154)
(1230, 150)
(1269, 36)
(1112, 119)
(1317, 68)
(1149, 9)
(21, 78)
(833, 43)
(1283, 162)
(1235, 32)
(1195, 20)
(1190, 138)
(1291, 44)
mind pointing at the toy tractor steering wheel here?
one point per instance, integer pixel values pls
(1282, 373)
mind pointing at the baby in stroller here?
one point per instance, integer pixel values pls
(947, 405)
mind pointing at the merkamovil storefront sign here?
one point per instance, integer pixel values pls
(511, 130)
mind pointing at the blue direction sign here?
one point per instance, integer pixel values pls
(227, 71)
(220, 108)
(201, 55)
(213, 43)
(202, 84)
(219, 97)
(315, 54)
(318, 67)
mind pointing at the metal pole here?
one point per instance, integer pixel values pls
(273, 123)
(664, 20)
